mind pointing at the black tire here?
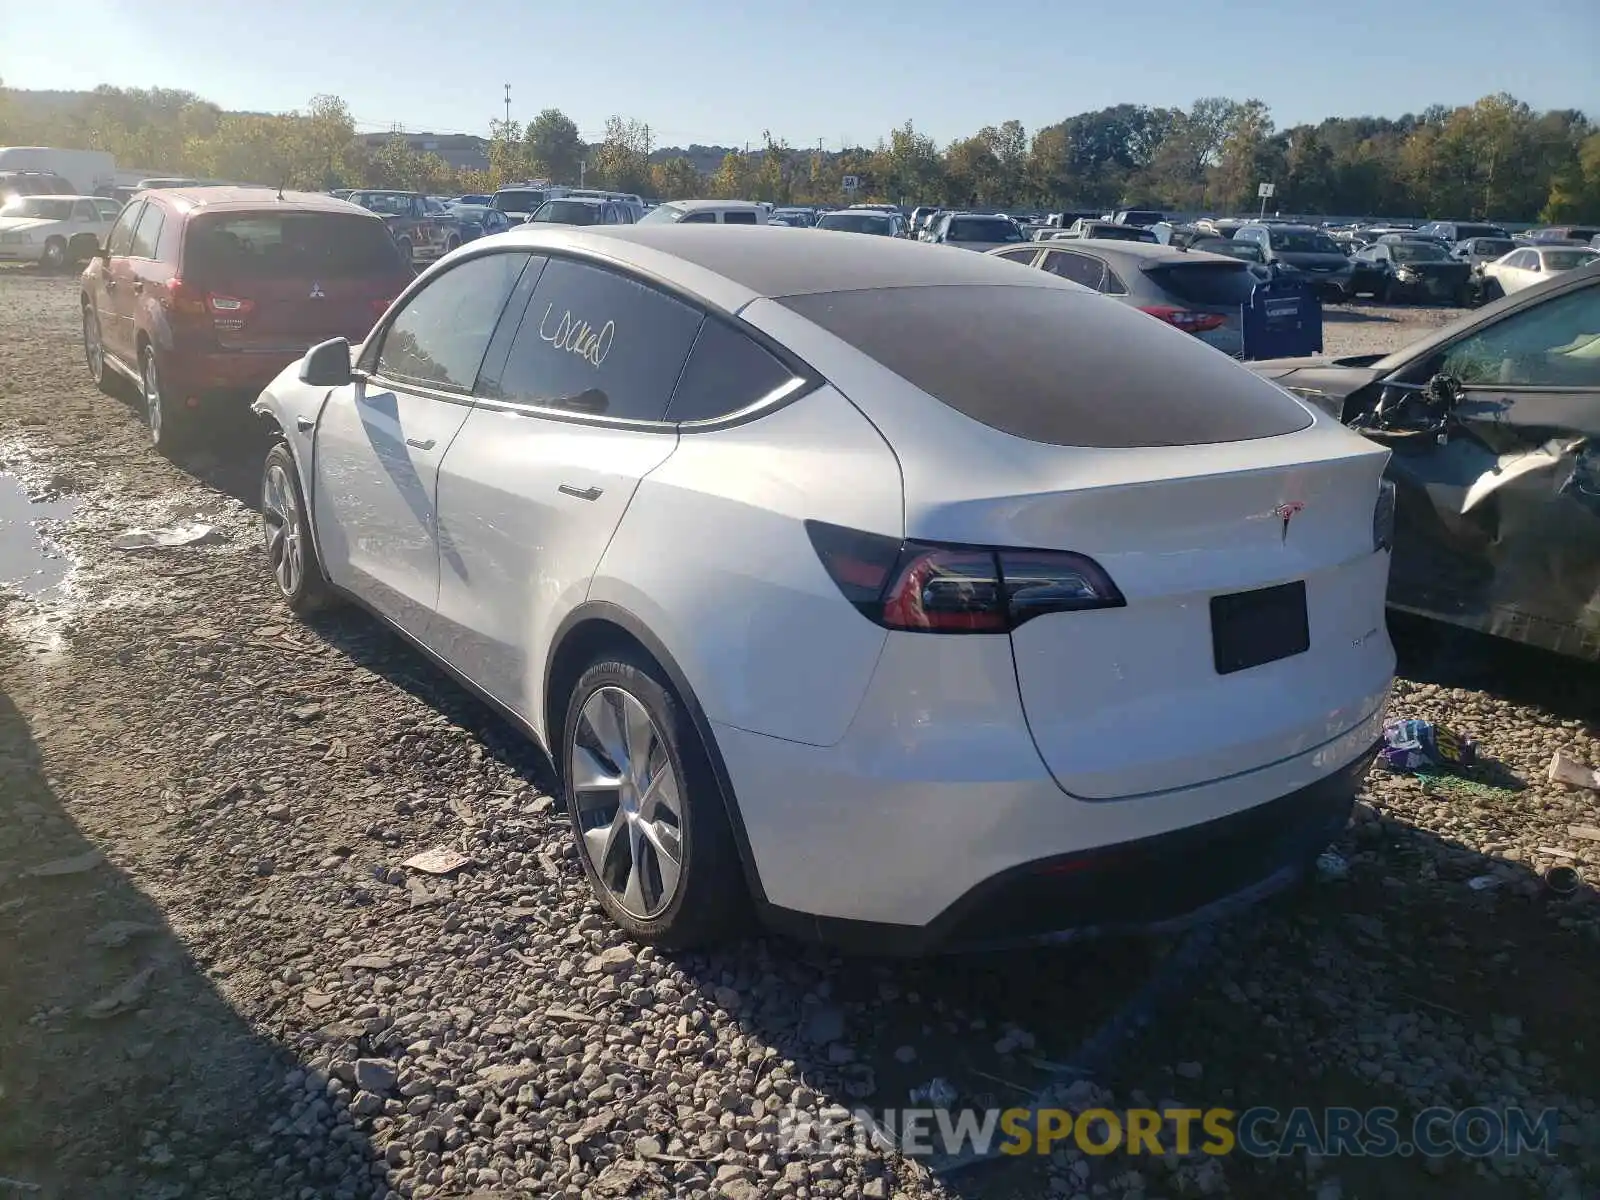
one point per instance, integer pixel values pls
(709, 902)
(169, 425)
(286, 535)
(1492, 290)
(55, 255)
(1384, 294)
(453, 243)
(405, 252)
(94, 352)
(82, 249)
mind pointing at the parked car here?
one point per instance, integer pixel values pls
(478, 220)
(33, 183)
(420, 227)
(855, 220)
(1110, 231)
(1322, 260)
(582, 210)
(200, 296)
(1190, 290)
(974, 231)
(166, 182)
(1530, 265)
(1452, 233)
(957, 590)
(1413, 270)
(1479, 251)
(921, 216)
(53, 231)
(800, 218)
(1493, 422)
(627, 200)
(706, 212)
(520, 203)
(1137, 216)
(1564, 233)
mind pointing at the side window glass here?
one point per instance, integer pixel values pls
(594, 341)
(1077, 267)
(148, 232)
(1554, 344)
(1018, 256)
(84, 210)
(699, 218)
(438, 339)
(1111, 285)
(121, 235)
(727, 371)
(739, 218)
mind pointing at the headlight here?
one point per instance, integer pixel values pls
(1383, 517)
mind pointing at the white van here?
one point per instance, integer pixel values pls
(87, 170)
(706, 212)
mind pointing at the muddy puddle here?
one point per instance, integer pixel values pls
(30, 562)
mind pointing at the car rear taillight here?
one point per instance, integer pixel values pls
(1186, 319)
(930, 588)
(184, 298)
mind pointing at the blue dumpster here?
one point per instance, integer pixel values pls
(1282, 320)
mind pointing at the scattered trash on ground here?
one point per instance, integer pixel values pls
(1566, 769)
(1563, 881)
(1331, 865)
(76, 865)
(441, 860)
(938, 1092)
(189, 533)
(1411, 745)
(1484, 883)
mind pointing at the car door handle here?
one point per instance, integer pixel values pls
(588, 493)
(420, 443)
(138, 285)
(304, 424)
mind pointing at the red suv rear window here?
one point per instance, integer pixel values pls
(271, 245)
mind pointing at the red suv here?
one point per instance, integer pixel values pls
(202, 295)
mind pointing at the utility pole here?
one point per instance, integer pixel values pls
(508, 106)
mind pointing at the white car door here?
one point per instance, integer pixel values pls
(571, 416)
(1518, 271)
(380, 439)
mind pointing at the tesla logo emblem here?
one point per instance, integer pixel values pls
(1286, 511)
(316, 292)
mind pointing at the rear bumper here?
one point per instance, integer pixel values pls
(929, 824)
(1158, 884)
(202, 375)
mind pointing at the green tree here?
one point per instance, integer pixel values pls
(734, 179)
(509, 159)
(676, 179)
(553, 146)
(1246, 158)
(622, 160)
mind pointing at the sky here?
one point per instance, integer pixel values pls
(720, 72)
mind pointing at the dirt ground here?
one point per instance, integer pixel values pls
(217, 981)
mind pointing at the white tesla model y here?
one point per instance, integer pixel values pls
(901, 598)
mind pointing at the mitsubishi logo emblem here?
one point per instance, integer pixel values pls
(1286, 511)
(316, 292)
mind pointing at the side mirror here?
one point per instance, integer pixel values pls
(103, 253)
(326, 364)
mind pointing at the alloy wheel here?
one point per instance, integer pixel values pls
(152, 396)
(281, 529)
(630, 808)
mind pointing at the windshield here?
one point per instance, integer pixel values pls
(1493, 247)
(856, 223)
(32, 206)
(1567, 260)
(518, 201)
(662, 214)
(393, 203)
(983, 229)
(1248, 251)
(289, 245)
(1407, 252)
(1295, 241)
(567, 212)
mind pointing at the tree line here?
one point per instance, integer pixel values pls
(1496, 158)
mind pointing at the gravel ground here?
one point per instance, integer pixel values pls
(219, 981)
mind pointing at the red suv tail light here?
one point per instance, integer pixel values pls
(931, 588)
(1185, 319)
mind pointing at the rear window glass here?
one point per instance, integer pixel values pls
(568, 212)
(518, 201)
(739, 218)
(285, 245)
(1054, 365)
(1206, 283)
